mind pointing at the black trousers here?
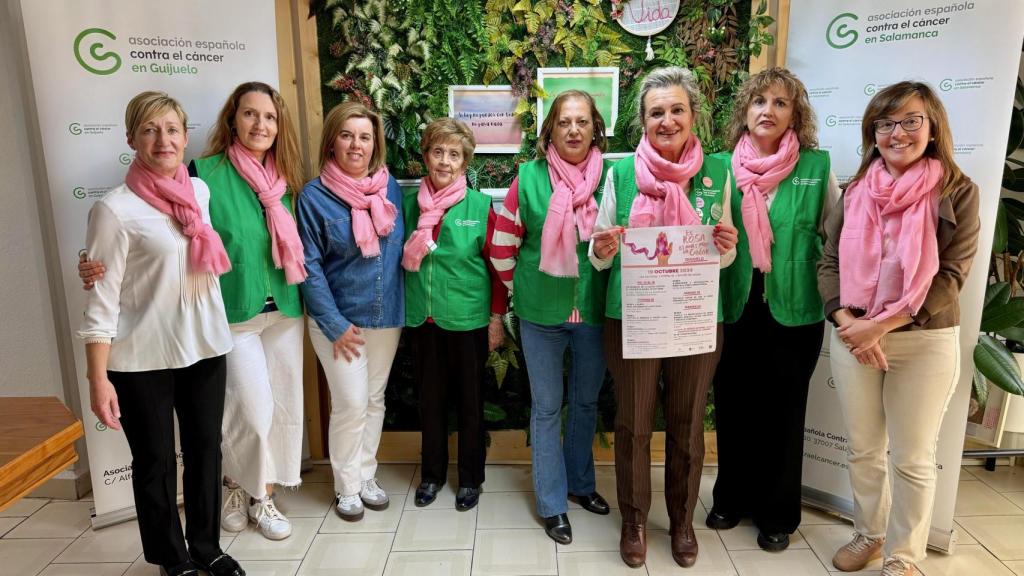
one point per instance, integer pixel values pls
(148, 402)
(760, 399)
(449, 369)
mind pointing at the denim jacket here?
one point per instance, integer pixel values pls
(343, 287)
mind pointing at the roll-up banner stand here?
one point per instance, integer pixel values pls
(969, 52)
(87, 59)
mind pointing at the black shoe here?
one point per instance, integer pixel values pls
(719, 521)
(773, 541)
(426, 493)
(558, 528)
(592, 502)
(466, 498)
(184, 569)
(222, 565)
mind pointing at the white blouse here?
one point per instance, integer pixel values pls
(155, 312)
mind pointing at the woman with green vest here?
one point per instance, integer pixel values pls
(540, 252)
(773, 313)
(668, 182)
(453, 307)
(252, 167)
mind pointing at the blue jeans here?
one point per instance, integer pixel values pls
(569, 470)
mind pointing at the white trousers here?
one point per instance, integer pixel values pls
(893, 419)
(262, 429)
(357, 403)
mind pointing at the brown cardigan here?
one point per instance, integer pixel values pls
(957, 240)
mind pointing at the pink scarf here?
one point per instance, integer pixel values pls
(572, 207)
(175, 197)
(878, 209)
(270, 186)
(756, 176)
(433, 204)
(661, 185)
(373, 215)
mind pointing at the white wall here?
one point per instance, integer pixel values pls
(28, 343)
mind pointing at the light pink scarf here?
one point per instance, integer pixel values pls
(270, 186)
(373, 215)
(433, 204)
(572, 207)
(661, 185)
(756, 176)
(879, 209)
(176, 197)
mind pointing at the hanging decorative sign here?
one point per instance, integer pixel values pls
(645, 17)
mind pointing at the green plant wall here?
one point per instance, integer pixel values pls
(400, 56)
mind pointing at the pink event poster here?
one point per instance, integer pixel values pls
(669, 291)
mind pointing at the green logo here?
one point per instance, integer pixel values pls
(831, 120)
(78, 192)
(125, 159)
(870, 89)
(101, 426)
(94, 56)
(860, 150)
(839, 35)
(75, 128)
(946, 85)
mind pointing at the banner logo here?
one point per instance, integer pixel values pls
(125, 159)
(870, 89)
(75, 128)
(93, 60)
(831, 120)
(839, 35)
(78, 192)
(860, 150)
(946, 85)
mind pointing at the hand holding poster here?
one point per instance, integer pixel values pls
(669, 291)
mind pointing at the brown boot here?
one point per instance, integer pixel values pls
(684, 546)
(633, 544)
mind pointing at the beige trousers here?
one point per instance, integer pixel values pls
(893, 420)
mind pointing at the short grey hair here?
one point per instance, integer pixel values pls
(668, 77)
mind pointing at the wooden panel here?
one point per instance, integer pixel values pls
(287, 83)
(510, 447)
(308, 67)
(782, 33)
(37, 438)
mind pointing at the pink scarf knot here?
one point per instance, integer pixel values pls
(373, 215)
(270, 187)
(661, 200)
(756, 177)
(571, 209)
(176, 197)
(433, 204)
(888, 249)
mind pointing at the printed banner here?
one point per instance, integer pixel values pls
(847, 51)
(88, 58)
(669, 291)
(601, 83)
(490, 113)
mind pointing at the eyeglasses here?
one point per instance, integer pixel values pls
(909, 124)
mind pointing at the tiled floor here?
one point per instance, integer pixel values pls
(502, 536)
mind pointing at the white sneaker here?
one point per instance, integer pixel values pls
(373, 495)
(897, 567)
(349, 507)
(272, 524)
(233, 516)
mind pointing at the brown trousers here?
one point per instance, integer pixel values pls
(686, 379)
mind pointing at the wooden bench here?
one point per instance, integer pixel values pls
(37, 437)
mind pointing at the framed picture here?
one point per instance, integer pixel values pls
(489, 111)
(601, 83)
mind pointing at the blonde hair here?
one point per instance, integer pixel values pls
(285, 146)
(600, 139)
(668, 77)
(940, 147)
(804, 121)
(445, 130)
(146, 106)
(333, 124)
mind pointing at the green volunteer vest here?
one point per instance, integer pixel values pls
(452, 285)
(538, 297)
(791, 288)
(237, 215)
(706, 193)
